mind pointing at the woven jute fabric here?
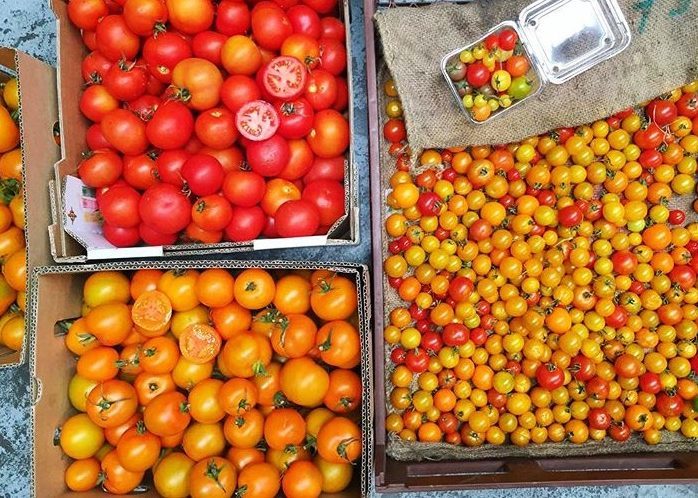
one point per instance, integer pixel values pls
(415, 451)
(662, 55)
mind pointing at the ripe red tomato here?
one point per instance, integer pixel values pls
(677, 217)
(549, 376)
(268, 157)
(328, 198)
(649, 137)
(165, 209)
(142, 16)
(326, 168)
(171, 126)
(507, 39)
(330, 134)
(125, 132)
(599, 418)
(100, 168)
(96, 102)
(669, 405)
(230, 158)
(209, 45)
(342, 101)
(417, 360)
(619, 431)
(140, 171)
(216, 128)
(333, 28)
(333, 56)
(683, 275)
(115, 40)
(244, 188)
(203, 174)
(570, 216)
(94, 67)
(163, 51)
(650, 383)
(321, 89)
(394, 130)
(119, 207)
(246, 224)
(125, 81)
(232, 18)
(687, 105)
(237, 90)
(154, 238)
(169, 165)
(455, 334)
(284, 77)
(300, 160)
(662, 112)
(257, 120)
(121, 237)
(429, 204)
(304, 20)
(477, 74)
(212, 213)
(321, 6)
(297, 219)
(85, 14)
(270, 26)
(295, 117)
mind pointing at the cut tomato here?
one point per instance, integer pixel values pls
(200, 343)
(151, 313)
(257, 120)
(284, 77)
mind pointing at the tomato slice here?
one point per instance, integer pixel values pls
(284, 77)
(257, 120)
(200, 343)
(151, 313)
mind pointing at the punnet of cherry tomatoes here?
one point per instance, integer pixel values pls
(491, 75)
(546, 290)
(13, 279)
(213, 121)
(215, 383)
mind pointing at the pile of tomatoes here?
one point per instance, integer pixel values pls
(213, 120)
(492, 75)
(12, 244)
(215, 384)
(549, 291)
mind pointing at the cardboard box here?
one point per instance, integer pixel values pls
(38, 116)
(57, 295)
(75, 233)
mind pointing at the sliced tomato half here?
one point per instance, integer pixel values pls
(257, 120)
(284, 77)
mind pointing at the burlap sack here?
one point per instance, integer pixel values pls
(663, 54)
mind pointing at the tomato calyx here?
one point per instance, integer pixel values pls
(280, 400)
(140, 427)
(240, 492)
(240, 421)
(213, 471)
(344, 445)
(259, 369)
(9, 188)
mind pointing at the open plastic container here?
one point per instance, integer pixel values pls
(561, 38)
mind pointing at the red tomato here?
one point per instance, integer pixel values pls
(85, 14)
(650, 383)
(507, 39)
(417, 360)
(669, 405)
(230, 158)
(619, 431)
(152, 237)
(268, 157)
(297, 219)
(684, 276)
(304, 20)
(125, 81)
(333, 28)
(333, 56)
(304, 48)
(328, 198)
(94, 67)
(115, 40)
(121, 237)
(163, 51)
(295, 117)
(209, 44)
(203, 174)
(624, 262)
(455, 334)
(212, 213)
(687, 105)
(477, 74)
(140, 171)
(321, 6)
(237, 90)
(599, 418)
(549, 376)
(284, 77)
(169, 164)
(570, 216)
(165, 209)
(270, 26)
(662, 112)
(677, 217)
(95, 139)
(300, 160)
(257, 120)
(96, 102)
(171, 126)
(326, 168)
(246, 224)
(342, 101)
(125, 132)
(394, 130)
(142, 16)
(649, 137)
(232, 18)
(330, 134)
(119, 207)
(216, 128)
(100, 168)
(321, 89)
(244, 188)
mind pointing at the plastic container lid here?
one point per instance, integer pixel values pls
(567, 37)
